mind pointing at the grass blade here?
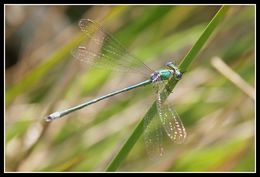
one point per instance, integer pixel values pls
(203, 38)
(123, 152)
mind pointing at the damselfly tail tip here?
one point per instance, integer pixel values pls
(48, 119)
(52, 117)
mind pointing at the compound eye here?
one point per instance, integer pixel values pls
(168, 63)
(178, 76)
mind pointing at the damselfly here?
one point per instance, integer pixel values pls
(103, 50)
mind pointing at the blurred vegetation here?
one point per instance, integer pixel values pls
(41, 78)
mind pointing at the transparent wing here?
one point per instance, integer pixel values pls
(170, 120)
(100, 49)
(153, 137)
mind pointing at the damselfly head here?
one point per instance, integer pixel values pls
(175, 69)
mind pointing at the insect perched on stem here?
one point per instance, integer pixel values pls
(105, 51)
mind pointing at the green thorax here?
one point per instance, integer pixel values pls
(165, 74)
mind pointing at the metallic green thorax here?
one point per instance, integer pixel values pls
(165, 74)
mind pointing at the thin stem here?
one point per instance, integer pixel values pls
(203, 39)
(234, 77)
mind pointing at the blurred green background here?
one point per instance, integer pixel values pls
(41, 77)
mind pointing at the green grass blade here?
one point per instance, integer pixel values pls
(203, 38)
(123, 152)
